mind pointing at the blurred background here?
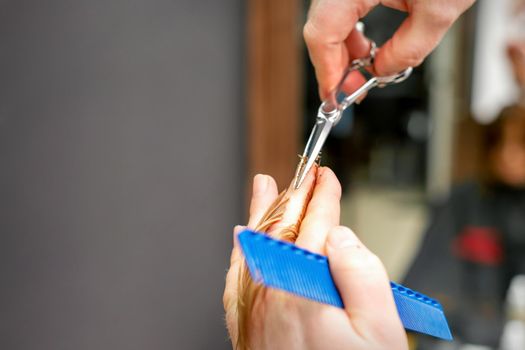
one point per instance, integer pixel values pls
(130, 131)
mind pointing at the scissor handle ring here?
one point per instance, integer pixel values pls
(339, 100)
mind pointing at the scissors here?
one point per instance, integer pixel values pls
(331, 110)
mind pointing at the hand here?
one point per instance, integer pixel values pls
(333, 41)
(283, 321)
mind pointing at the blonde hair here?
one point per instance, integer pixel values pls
(249, 291)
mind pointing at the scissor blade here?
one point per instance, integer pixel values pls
(318, 136)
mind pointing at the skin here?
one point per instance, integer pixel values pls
(282, 321)
(516, 54)
(508, 158)
(333, 42)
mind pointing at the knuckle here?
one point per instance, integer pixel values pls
(310, 33)
(411, 56)
(444, 19)
(441, 16)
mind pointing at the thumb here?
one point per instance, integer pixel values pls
(363, 284)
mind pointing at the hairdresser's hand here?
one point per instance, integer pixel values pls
(333, 42)
(283, 321)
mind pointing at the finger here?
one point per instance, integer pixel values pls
(322, 213)
(232, 277)
(353, 81)
(357, 45)
(263, 195)
(328, 26)
(417, 36)
(296, 201)
(236, 253)
(363, 284)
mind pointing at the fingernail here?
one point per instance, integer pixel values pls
(340, 239)
(260, 184)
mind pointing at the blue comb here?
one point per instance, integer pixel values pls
(284, 266)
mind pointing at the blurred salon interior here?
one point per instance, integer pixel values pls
(130, 131)
(433, 169)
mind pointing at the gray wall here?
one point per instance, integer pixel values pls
(121, 169)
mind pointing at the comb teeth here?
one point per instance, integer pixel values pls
(282, 265)
(420, 313)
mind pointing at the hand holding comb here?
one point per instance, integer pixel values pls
(260, 318)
